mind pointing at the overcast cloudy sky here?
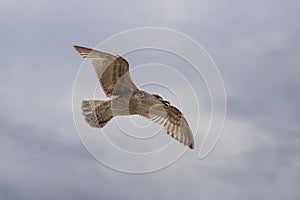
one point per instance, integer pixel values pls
(256, 47)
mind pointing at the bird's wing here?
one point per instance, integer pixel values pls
(112, 71)
(173, 121)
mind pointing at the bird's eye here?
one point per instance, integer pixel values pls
(157, 96)
(166, 103)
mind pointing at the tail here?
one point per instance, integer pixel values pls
(96, 113)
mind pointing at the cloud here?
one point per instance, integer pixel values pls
(254, 43)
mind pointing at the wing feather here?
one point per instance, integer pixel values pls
(112, 71)
(174, 123)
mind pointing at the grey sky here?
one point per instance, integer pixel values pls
(256, 47)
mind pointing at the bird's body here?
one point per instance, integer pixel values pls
(127, 99)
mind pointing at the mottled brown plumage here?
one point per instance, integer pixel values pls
(126, 99)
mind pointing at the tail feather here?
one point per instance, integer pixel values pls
(96, 113)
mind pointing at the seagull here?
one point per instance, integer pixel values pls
(127, 99)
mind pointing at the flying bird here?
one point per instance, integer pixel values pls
(127, 99)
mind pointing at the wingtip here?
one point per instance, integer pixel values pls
(192, 145)
(84, 51)
(78, 48)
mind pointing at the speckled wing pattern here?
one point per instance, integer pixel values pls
(111, 70)
(173, 122)
(113, 74)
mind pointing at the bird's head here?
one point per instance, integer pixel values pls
(158, 97)
(161, 99)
